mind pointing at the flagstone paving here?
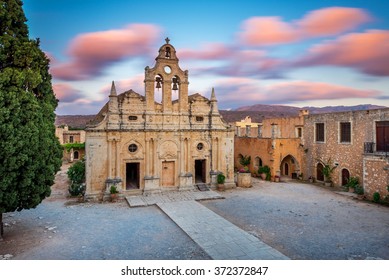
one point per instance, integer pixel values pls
(219, 238)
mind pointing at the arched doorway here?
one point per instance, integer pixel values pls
(290, 167)
(319, 172)
(345, 176)
(75, 155)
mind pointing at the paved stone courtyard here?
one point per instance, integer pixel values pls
(286, 220)
(173, 196)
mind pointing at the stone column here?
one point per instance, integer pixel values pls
(109, 158)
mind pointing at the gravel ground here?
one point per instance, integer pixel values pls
(302, 221)
(56, 230)
(63, 229)
(305, 221)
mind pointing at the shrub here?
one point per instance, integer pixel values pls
(359, 190)
(221, 178)
(113, 189)
(376, 197)
(76, 175)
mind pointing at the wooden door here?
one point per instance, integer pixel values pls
(168, 173)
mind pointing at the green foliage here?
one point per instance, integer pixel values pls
(244, 160)
(76, 175)
(30, 154)
(328, 169)
(376, 197)
(265, 170)
(69, 146)
(221, 178)
(359, 190)
(352, 182)
(113, 189)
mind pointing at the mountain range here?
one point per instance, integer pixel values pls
(257, 113)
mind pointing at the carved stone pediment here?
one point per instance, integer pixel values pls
(168, 150)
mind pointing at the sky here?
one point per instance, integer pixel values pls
(297, 53)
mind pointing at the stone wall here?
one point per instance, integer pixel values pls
(272, 152)
(348, 156)
(375, 176)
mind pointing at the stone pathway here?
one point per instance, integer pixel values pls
(219, 238)
(153, 199)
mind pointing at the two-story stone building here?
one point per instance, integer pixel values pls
(357, 142)
(145, 146)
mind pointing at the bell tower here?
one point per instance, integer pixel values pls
(166, 76)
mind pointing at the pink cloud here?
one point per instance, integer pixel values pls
(230, 92)
(259, 31)
(211, 51)
(304, 90)
(66, 93)
(268, 31)
(135, 83)
(367, 52)
(332, 21)
(90, 53)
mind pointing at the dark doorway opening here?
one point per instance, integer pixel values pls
(319, 172)
(345, 176)
(200, 175)
(286, 169)
(132, 175)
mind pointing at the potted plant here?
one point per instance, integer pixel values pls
(328, 169)
(244, 175)
(264, 171)
(352, 184)
(245, 162)
(114, 193)
(311, 179)
(276, 178)
(221, 178)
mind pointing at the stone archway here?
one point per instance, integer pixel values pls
(290, 167)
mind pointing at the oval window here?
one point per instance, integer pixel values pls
(132, 118)
(200, 146)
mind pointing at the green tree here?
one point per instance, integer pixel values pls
(30, 153)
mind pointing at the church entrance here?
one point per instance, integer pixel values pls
(168, 173)
(132, 175)
(200, 173)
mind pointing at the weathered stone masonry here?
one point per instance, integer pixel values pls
(144, 146)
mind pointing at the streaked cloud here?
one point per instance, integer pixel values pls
(66, 93)
(262, 31)
(210, 51)
(90, 53)
(366, 52)
(135, 83)
(236, 91)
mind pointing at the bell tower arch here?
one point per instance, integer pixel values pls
(166, 76)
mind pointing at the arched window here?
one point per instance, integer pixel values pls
(75, 155)
(319, 172)
(257, 162)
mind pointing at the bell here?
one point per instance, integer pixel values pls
(158, 80)
(175, 87)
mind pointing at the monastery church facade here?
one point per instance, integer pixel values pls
(144, 146)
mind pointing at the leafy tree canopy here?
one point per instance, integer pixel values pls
(30, 153)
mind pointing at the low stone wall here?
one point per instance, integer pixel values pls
(375, 176)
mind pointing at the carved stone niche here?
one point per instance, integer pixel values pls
(168, 150)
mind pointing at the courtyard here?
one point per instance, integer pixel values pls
(300, 220)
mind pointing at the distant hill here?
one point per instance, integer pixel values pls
(257, 113)
(73, 121)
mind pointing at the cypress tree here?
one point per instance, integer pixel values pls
(30, 153)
